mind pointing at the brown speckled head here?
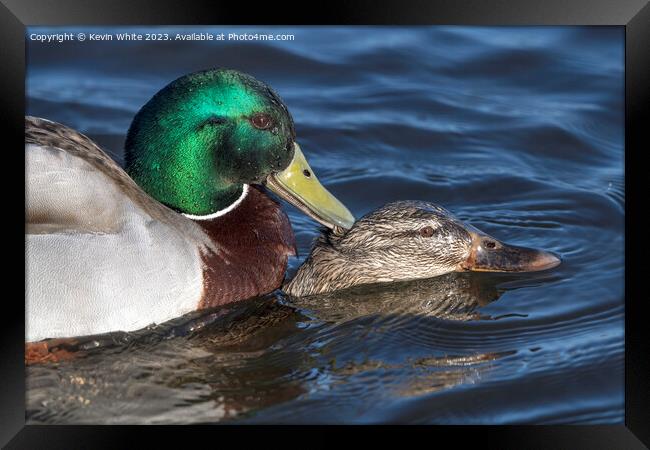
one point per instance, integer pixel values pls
(407, 240)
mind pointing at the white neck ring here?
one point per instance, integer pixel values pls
(221, 212)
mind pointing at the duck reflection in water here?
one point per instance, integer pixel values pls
(453, 296)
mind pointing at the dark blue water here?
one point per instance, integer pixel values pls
(519, 131)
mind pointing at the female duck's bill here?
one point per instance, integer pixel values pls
(298, 185)
(407, 240)
(490, 255)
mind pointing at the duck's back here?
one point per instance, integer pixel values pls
(100, 255)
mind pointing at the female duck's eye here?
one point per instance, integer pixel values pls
(262, 121)
(426, 232)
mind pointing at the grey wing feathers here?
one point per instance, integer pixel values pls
(73, 184)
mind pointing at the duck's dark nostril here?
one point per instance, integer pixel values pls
(307, 173)
(490, 244)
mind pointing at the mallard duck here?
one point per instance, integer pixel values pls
(187, 225)
(407, 240)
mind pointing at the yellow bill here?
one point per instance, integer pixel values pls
(298, 185)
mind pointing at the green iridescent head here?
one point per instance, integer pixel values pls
(201, 138)
(204, 136)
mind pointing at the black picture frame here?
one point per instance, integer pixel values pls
(634, 15)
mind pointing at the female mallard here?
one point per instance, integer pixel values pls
(407, 240)
(187, 226)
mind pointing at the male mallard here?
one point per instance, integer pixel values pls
(187, 226)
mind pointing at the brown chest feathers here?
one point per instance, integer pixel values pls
(256, 240)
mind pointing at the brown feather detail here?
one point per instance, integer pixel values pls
(51, 350)
(255, 240)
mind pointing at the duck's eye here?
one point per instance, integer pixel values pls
(426, 232)
(262, 121)
(490, 244)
